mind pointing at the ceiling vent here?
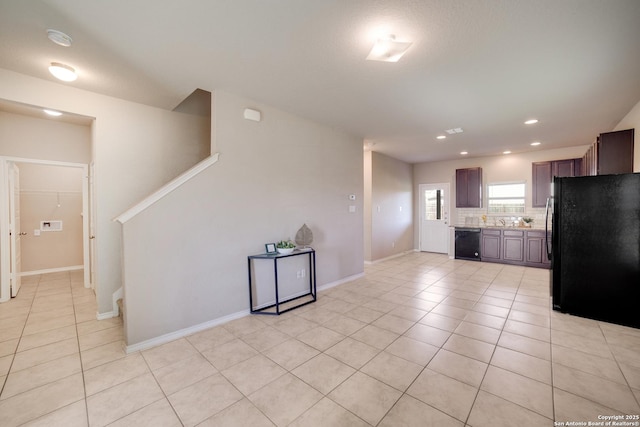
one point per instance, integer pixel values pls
(59, 38)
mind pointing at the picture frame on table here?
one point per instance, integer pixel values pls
(270, 248)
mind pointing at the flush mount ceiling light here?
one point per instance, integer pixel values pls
(531, 122)
(52, 112)
(388, 49)
(59, 38)
(63, 72)
(535, 143)
(441, 137)
(454, 131)
(506, 152)
(464, 153)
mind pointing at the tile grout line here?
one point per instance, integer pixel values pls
(15, 352)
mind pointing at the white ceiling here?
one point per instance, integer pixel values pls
(485, 66)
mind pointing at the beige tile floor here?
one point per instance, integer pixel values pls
(421, 340)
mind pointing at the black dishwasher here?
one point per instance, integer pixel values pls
(467, 245)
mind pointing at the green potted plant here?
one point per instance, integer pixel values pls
(527, 220)
(285, 247)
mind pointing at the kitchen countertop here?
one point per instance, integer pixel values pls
(500, 227)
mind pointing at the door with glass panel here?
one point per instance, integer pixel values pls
(434, 218)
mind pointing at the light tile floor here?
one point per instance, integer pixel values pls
(421, 340)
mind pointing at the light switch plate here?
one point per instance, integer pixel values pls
(352, 209)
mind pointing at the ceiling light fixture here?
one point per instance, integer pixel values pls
(59, 38)
(454, 131)
(388, 49)
(506, 152)
(464, 153)
(63, 72)
(441, 137)
(52, 112)
(535, 143)
(531, 122)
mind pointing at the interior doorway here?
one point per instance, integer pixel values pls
(434, 217)
(12, 228)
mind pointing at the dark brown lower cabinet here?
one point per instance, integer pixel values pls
(514, 246)
(513, 243)
(536, 249)
(491, 244)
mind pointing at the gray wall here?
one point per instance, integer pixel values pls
(390, 206)
(185, 258)
(50, 193)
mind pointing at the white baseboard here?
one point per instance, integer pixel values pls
(107, 315)
(114, 300)
(340, 282)
(172, 336)
(390, 257)
(52, 270)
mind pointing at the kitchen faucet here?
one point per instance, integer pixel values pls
(501, 221)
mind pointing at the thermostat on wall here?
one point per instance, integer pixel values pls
(51, 225)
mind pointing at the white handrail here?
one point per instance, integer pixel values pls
(166, 189)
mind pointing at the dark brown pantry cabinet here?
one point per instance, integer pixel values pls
(542, 177)
(469, 188)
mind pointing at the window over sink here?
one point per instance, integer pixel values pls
(506, 198)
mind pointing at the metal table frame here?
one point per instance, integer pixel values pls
(275, 257)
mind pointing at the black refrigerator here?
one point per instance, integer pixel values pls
(595, 247)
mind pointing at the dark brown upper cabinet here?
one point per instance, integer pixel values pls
(542, 177)
(612, 153)
(469, 188)
(615, 152)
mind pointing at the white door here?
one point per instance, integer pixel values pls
(14, 227)
(92, 229)
(434, 218)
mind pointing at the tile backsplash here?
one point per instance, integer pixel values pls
(538, 215)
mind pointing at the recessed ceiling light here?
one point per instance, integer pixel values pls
(464, 153)
(59, 38)
(531, 122)
(52, 112)
(441, 137)
(63, 72)
(535, 143)
(506, 152)
(454, 131)
(388, 49)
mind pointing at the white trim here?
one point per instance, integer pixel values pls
(107, 315)
(5, 259)
(114, 299)
(51, 270)
(340, 282)
(44, 162)
(172, 336)
(391, 257)
(166, 189)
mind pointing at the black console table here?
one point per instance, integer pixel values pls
(283, 306)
